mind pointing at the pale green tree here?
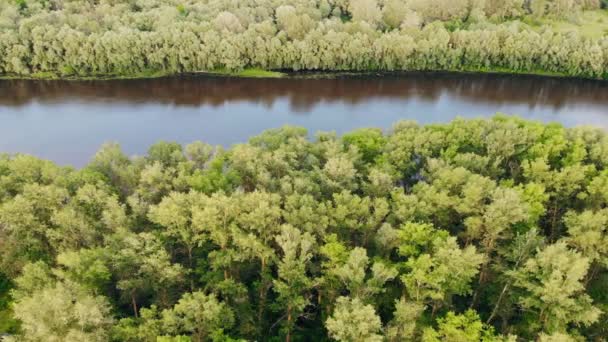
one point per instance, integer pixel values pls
(405, 326)
(357, 218)
(215, 217)
(556, 337)
(295, 24)
(441, 9)
(494, 226)
(174, 213)
(198, 315)
(293, 283)
(87, 267)
(554, 291)
(34, 277)
(448, 270)
(90, 215)
(116, 166)
(462, 328)
(63, 312)
(339, 174)
(394, 12)
(27, 229)
(229, 22)
(513, 255)
(200, 153)
(142, 265)
(354, 321)
(366, 10)
(588, 233)
(596, 195)
(351, 271)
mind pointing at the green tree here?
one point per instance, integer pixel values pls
(142, 266)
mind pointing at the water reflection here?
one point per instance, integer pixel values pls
(67, 121)
(304, 94)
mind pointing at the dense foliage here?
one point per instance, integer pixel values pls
(492, 230)
(140, 37)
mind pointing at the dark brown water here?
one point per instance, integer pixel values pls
(67, 121)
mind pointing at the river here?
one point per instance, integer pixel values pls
(67, 121)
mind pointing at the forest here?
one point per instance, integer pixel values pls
(144, 38)
(474, 230)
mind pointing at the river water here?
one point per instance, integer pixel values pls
(67, 121)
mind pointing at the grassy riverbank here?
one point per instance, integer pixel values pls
(304, 74)
(245, 73)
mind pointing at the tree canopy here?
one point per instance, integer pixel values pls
(475, 230)
(99, 38)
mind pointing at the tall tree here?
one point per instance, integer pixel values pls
(174, 213)
(293, 283)
(554, 289)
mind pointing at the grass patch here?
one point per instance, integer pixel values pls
(501, 70)
(259, 73)
(143, 74)
(57, 76)
(45, 75)
(248, 73)
(590, 24)
(8, 325)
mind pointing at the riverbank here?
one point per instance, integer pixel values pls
(304, 74)
(161, 40)
(45, 76)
